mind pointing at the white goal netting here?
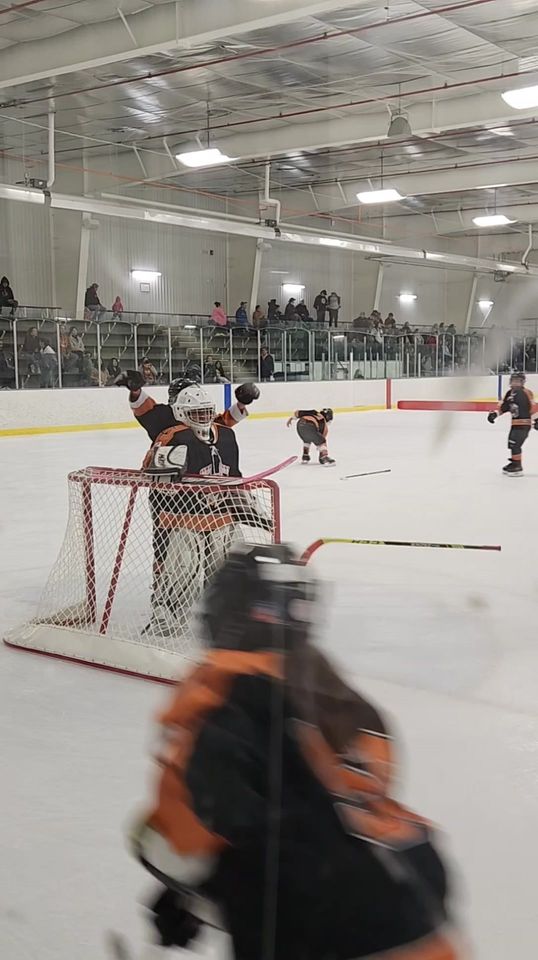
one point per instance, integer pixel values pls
(136, 555)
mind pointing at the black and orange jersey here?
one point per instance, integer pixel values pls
(315, 417)
(216, 807)
(218, 458)
(156, 417)
(519, 402)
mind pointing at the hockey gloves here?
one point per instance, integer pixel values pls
(535, 424)
(131, 379)
(245, 393)
(175, 925)
(492, 416)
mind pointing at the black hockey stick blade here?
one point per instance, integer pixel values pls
(369, 473)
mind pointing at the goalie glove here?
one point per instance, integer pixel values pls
(246, 393)
(175, 925)
(535, 423)
(131, 379)
(492, 416)
(168, 463)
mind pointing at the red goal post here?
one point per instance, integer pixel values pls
(134, 560)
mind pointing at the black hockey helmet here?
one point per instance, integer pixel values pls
(518, 376)
(327, 413)
(176, 386)
(262, 597)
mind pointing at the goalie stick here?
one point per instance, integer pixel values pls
(238, 481)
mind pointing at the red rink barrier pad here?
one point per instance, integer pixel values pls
(467, 406)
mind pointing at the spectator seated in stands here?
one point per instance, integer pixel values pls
(302, 312)
(76, 348)
(148, 371)
(113, 368)
(259, 319)
(93, 308)
(390, 322)
(193, 370)
(241, 318)
(7, 299)
(117, 309)
(48, 364)
(7, 369)
(214, 371)
(290, 313)
(31, 347)
(273, 312)
(218, 315)
(361, 322)
(267, 365)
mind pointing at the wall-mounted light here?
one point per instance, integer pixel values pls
(407, 297)
(145, 276)
(485, 304)
(293, 290)
(492, 220)
(379, 196)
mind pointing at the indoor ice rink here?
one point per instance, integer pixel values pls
(336, 200)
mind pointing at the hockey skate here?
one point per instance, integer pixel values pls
(327, 461)
(305, 458)
(513, 469)
(163, 623)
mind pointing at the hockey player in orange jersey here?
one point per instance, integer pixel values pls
(519, 402)
(312, 427)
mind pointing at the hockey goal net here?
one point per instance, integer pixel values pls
(135, 557)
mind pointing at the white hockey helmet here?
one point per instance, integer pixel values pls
(195, 408)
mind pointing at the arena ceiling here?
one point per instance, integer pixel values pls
(309, 84)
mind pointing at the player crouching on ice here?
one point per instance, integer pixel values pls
(519, 402)
(312, 427)
(192, 530)
(274, 800)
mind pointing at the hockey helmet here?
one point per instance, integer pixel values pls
(262, 597)
(517, 376)
(196, 410)
(327, 413)
(176, 386)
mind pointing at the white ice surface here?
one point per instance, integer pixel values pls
(444, 640)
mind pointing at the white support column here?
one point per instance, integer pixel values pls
(82, 267)
(256, 274)
(379, 286)
(470, 304)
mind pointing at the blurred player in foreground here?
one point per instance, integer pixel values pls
(312, 427)
(274, 799)
(519, 402)
(192, 530)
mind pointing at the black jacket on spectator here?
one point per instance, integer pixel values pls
(267, 367)
(91, 298)
(6, 293)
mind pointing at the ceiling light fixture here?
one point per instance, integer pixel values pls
(203, 158)
(379, 196)
(332, 242)
(502, 131)
(145, 276)
(293, 290)
(407, 297)
(521, 99)
(485, 304)
(492, 220)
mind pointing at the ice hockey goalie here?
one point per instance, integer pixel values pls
(192, 532)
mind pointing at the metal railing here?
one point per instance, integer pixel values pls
(45, 352)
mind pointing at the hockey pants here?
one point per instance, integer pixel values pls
(516, 439)
(309, 434)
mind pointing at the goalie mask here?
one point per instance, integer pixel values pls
(261, 598)
(196, 410)
(176, 386)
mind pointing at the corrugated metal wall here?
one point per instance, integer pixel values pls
(192, 264)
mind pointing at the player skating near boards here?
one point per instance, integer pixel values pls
(192, 531)
(519, 402)
(312, 427)
(275, 798)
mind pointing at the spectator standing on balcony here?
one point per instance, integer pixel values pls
(290, 313)
(48, 364)
(148, 371)
(267, 365)
(93, 307)
(273, 312)
(218, 315)
(390, 322)
(76, 347)
(241, 318)
(334, 303)
(117, 309)
(320, 306)
(259, 319)
(7, 298)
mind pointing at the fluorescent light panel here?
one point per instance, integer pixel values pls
(293, 289)
(492, 220)
(380, 196)
(203, 158)
(407, 297)
(485, 304)
(145, 276)
(521, 99)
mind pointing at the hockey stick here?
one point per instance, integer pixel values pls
(371, 473)
(392, 543)
(238, 481)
